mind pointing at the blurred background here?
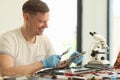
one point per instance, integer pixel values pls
(70, 23)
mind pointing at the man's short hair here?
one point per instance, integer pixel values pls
(34, 6)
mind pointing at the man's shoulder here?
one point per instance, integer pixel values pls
(11, 33)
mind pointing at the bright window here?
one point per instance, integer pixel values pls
(62, 24)
(115, 29)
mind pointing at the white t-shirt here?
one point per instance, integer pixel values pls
(14, 44)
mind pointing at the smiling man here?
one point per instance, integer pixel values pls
(26, 49)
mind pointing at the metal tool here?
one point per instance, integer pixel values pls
(77, 56)
(65, 51)
(66, 63)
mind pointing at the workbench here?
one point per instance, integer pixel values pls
(76, 74)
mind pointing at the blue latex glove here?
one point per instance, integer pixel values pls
(51, 61)
(78, 59)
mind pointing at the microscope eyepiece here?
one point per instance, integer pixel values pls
(91, 34)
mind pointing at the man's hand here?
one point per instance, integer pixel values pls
(63, 64)
(78, 59)
(51, 61)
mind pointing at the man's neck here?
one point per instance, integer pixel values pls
(27, 35)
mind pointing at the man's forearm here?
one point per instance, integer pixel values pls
(22, 70)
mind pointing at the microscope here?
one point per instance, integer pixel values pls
(98, 50)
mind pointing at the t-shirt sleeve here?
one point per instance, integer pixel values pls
(7, 45)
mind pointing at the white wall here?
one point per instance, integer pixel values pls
(10, 14)
(94, 19)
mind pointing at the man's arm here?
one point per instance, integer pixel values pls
(7, 67)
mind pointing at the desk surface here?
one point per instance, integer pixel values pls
(76, 74)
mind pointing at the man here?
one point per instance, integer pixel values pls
(25, 50)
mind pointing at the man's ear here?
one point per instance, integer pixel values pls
(26, 16)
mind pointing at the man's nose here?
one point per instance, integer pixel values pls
(45, 25)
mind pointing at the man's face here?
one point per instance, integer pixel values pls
(37, 23)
